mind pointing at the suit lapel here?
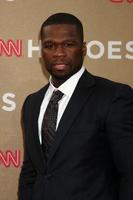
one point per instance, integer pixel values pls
(36, 111)
(78, 99)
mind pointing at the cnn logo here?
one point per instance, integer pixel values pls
(121, 1)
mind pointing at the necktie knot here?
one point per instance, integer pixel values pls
(56, 96)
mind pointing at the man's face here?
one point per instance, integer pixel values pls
(62, 51)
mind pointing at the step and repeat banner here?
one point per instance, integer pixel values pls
(108, 29)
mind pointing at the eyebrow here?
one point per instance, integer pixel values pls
(65, 40)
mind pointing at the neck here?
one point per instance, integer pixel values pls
(57, 83)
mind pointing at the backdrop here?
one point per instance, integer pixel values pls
(108, 31)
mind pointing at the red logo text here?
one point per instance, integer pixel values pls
(10, 158)
(11, 48)
(121, 1)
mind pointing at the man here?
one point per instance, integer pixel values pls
(89, 153)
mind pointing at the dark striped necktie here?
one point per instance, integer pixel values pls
(49, 122)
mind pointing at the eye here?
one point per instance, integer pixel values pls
(48, 46)
(69, 44)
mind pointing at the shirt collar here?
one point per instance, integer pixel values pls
(69, 85)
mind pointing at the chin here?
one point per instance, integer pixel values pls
(62, 77)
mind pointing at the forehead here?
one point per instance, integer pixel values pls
(60, 31)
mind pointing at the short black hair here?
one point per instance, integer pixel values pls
(63, 18)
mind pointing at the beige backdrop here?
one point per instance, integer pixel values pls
(109, 36)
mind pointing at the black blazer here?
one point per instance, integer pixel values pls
(92, 158)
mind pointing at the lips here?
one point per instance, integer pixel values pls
(59, 66)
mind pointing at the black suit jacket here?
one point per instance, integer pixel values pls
(92, 158)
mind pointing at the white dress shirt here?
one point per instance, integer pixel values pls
(67, 88)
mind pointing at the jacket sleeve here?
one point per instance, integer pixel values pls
(28, 173)
(119, 126)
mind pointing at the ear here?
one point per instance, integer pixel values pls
(84, 49)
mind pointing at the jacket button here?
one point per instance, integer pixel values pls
(47, 176)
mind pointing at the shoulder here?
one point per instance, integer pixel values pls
(112, 99)
(106, 90)
(109, 86)
(114, 96)
(32, 98)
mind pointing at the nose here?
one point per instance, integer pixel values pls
(59, 51)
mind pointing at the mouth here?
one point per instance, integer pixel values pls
(59, 66)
